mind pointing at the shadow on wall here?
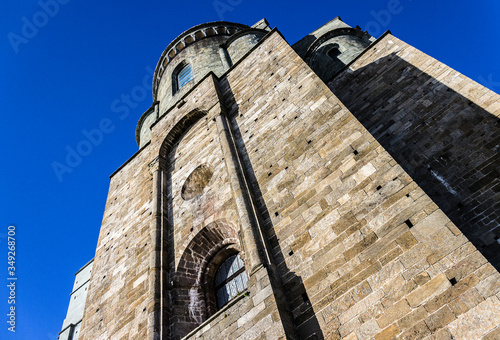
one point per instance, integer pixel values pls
(296, 299)
(176, 320)
(179, 315)
(449, 145)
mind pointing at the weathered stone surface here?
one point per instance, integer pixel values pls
(351, 336)
(433, 223)
(439, 319)
(478, 321)
(493, 335)
(466, 266)
(465, 302)
(489, 286)
(338, 239)
(368, 330)
(388, 333)
(451, 293)
(394, 313)
(419, 331)
(431, 126)
(412, 318)
(432, 288)
(442, 334)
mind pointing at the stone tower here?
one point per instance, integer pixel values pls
(73, 321)
(302, 192)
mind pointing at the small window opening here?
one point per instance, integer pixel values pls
(185, 75)
(182, 76)
(334, 52)
(230, 280)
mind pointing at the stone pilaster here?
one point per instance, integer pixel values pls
(251, 237)
(154, 305)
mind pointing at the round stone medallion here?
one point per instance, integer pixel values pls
(196, 182)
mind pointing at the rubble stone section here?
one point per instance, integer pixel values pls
(361, 251)
(196, 182)
(440, 126)
(203, 56)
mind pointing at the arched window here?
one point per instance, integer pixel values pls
(182, 75)
(334, 52)
(230, 280)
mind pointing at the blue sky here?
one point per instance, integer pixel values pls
(64, 70)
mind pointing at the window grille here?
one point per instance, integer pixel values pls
(184, 76)
(230, 280)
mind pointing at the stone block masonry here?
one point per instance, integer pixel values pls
(440, 126)
(347, 225)
(338, 239)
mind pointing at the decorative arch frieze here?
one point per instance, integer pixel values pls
(191, 36)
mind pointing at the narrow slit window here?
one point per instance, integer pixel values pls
(184, 76)
(230, 280)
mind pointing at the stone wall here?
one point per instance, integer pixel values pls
(440, 126)
(73, 321)
(338, 240)
(362, 251)
(199, 225)
(118, 292)
(203, 56)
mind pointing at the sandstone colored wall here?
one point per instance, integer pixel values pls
(117, 298)
(240, 46)
(440, 126)
(121, 301)
(374, 255)
(361, 251)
